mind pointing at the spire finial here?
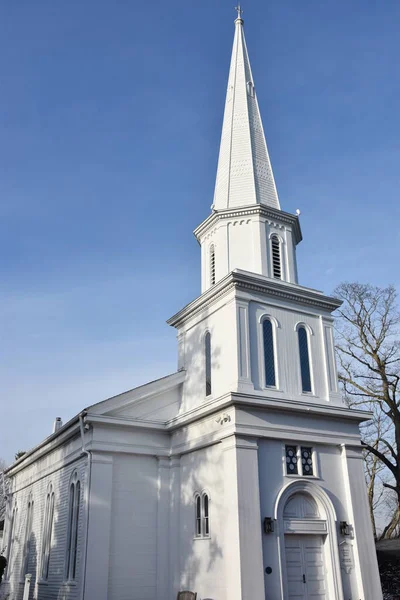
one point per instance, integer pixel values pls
(239, 11)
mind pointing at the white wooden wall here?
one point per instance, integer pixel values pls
(34, 480)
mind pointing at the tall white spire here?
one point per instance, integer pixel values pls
(244, 174)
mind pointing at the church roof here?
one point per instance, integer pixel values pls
(244, 174)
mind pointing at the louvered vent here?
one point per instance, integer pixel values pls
(276, 257)
(212, 265)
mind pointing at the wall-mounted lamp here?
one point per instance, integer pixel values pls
(268, 525)
(344, 528)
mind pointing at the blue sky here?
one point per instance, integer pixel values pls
(110, 118)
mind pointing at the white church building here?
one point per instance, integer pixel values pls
(239, 476)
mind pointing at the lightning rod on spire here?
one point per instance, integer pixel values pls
(239, 11)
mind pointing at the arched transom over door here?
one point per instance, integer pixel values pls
(305, 534)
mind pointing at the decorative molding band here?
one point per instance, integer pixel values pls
(314, 436)
(276, 216)
(244, 280)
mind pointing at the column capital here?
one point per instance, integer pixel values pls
(163, 462)
(239, 441)
(175, 461)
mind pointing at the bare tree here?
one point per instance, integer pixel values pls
(375, 470)
(369, 356)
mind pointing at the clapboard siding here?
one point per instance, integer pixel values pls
(133, 543)
(33, 481)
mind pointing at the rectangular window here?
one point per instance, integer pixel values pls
(291, 460)
(306, 460)
(299, 461)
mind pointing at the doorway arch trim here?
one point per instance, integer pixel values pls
(328, 514)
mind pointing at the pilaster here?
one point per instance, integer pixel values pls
(244, 567)
(163, 531)
(368, 579)
(99, 527)
(174, 537)
(243, 348)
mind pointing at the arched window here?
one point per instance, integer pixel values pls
(276, 257)
(198, 515)
(206, 518)
(202, 514)
(212, 264)
(73, 527)
(28, 537)
(207, 351)
(269, 359)
(47, 533)
(304, 359)
(11, 539)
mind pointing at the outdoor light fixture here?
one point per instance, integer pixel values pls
(268, 525)
(344, 528)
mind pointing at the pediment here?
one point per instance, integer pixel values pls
(156, 401)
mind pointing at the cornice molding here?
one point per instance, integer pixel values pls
(252, 283)
(272, 214)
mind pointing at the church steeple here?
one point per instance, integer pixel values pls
(247, 229)
(244, 175)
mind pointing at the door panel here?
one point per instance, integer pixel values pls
(315, 568)
(295, 568)
(305, 567)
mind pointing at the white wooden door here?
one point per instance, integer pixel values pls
(305, 569)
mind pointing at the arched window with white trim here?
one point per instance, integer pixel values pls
(198, 515)
(47, 533)
(73, 527)
(212, 264)
(269, 353)
(207, 356)
(202, 515)
(28, 537)
(11, 539)
(304, 356)
(276, 257)
(206, 516)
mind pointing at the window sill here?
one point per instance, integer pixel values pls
(301, 477)
(202, 538)
(69, 582)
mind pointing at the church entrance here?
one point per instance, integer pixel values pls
(304, 543)
(305, 567)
